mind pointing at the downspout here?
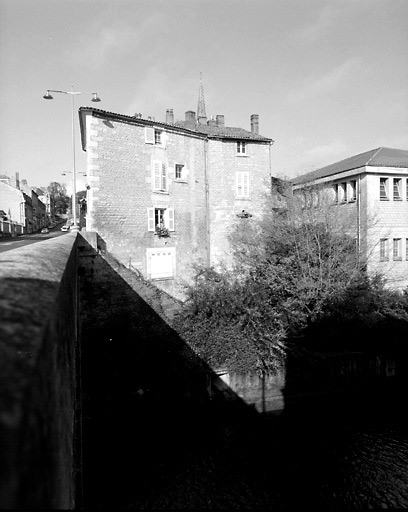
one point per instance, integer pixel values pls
(359, 216)
(207, 204)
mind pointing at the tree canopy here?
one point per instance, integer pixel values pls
(291, 271)
(59, 195)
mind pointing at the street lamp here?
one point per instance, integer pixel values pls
(72, 93)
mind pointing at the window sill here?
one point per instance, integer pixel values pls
(161, 192)
(399, 258)
(384, 199)
(179, 180)
(169, 278)
(397, 198)
(384, 259)
(240, 154)
(242, 198)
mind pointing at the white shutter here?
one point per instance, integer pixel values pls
(164, 178)
(170, 218)
(156, 177)
(245, 184)
(238, 179)
(150, 219)
(149, 135)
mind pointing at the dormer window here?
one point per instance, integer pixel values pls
(241, 148)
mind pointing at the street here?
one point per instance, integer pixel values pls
(10, 243)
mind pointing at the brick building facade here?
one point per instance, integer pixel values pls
(164, 195)
(371, 189)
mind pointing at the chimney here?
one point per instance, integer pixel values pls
(212, 122)
(169, 116)
(190, 122)
(255, 124)
(220, 121)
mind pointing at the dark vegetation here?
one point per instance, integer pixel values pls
(298, 281)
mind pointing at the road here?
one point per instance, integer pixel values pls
(10, 243)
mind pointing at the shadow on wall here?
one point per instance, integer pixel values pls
(153, 411)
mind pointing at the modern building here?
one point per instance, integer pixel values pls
(164, 195)
(372, 190)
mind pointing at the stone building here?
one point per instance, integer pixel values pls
(371, 189)
(165, 195)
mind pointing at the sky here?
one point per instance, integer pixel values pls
(328, 78)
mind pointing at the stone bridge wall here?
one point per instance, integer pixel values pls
(38, 375)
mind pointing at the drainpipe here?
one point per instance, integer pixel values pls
(207, 203)
(359, 215)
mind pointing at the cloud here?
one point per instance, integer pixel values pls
(322, 155)
(313, 87)
(324, 20)
(104, 41)
(160, 89)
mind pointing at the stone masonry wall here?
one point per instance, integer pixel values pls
(223, 163)
(39, 409)
(120, 177)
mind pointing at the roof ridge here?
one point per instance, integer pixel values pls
(374, 155)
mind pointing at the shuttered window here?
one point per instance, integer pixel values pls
(242, 184)
(159, 176)
(160, 217)
(149, 135)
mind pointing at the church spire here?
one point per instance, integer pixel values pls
(201, 115)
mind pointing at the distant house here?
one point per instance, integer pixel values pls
(164, 195)
(371, 188)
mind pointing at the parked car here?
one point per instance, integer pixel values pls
(65, 228)
(44, 231)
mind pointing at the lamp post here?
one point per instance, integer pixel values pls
(72, 93)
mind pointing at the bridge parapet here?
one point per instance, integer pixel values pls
(38, 352)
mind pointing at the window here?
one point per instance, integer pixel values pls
(353, 187)
(336, 189)
(396, 249)
(406, 189)
(344, 192)
(397, 189)
(179, 171)
(161, 263)
(153, 136)
(384, 249)
(159, 177)
(242, 184)
(406, 249)
(384, 189)
(160, 218)
(157, 137)
(241, 148)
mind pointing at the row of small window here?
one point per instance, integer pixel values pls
(385, 192)
(160, 180)
(396, 249)
(157, 137)
(345, 192)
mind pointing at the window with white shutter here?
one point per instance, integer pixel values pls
(160, 218)
(159, 176)
(242, 184)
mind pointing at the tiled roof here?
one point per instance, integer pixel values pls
(224, 132)
(380, 157)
